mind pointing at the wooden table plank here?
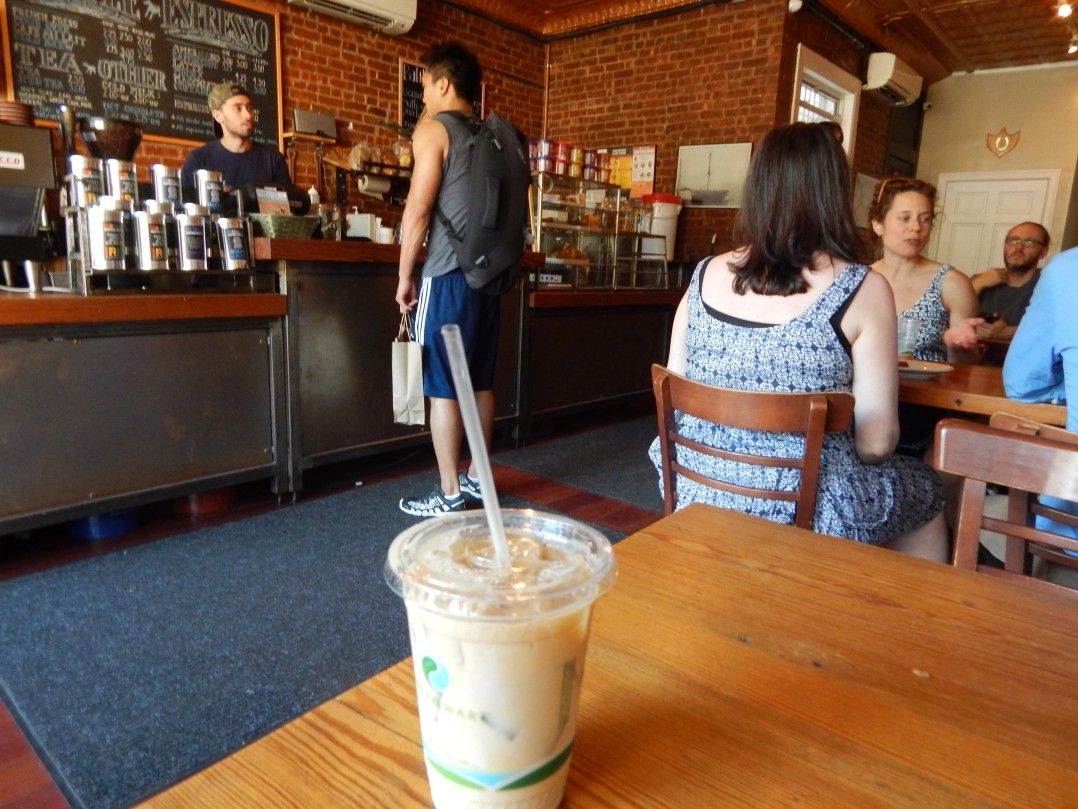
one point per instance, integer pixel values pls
(975, 389)
(740, 663)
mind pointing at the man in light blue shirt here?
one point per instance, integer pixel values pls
(1042, 362)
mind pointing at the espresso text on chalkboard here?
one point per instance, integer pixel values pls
(147, 61)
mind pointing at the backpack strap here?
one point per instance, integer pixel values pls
(459, 125)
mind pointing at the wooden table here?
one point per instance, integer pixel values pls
(739, 663)
(975, 389)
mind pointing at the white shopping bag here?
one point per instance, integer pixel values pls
(407, 359)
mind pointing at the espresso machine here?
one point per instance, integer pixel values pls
(27, 176)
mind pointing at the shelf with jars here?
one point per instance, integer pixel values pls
(591, 233)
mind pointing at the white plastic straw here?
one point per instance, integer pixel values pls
(469, 412)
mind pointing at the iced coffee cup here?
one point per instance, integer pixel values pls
(499, 659)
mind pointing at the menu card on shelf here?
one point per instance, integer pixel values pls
(147, 61)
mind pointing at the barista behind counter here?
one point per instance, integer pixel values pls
(239, 159)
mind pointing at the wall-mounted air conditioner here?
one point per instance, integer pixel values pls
(387, 16)
(893, 79)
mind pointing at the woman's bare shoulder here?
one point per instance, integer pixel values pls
(875, 291)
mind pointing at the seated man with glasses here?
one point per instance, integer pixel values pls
(1004, 292)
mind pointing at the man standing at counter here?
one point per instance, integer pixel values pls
(451, 83)
(235, 154)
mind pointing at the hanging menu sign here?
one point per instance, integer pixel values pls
(147, 61)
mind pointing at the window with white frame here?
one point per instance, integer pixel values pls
(825, 92)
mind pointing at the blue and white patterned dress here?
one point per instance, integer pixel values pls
(934, 318)
(870, 503)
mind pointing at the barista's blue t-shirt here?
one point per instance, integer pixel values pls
(259, 164)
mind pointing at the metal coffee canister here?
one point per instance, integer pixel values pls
(192, 242)
(126, 209)
(106, 238)
(211, 188)
(151, 241)
(166, 210)
(121, 179)
(166, 183)
(235, 247)
(84, 180)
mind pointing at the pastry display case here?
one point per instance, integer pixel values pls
(588, 231)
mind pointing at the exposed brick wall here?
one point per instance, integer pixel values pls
(719, 74)
(704, 76)
(353, 73)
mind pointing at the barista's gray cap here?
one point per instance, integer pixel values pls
(220, 93)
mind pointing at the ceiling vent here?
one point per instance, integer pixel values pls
(893, 79)
(394, 17)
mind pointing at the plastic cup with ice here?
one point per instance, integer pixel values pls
(499, 607)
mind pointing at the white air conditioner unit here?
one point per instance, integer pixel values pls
(393, 17)
(893, 79)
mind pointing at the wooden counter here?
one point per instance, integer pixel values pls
(113, 400)
(559, 299)
(140, 396)
(54, 308)
(346, 251)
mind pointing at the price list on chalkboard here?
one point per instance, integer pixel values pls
(147, 61)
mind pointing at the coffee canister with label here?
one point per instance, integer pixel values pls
(106, 238)
(121, 179)
(232, 238)
(192, 241)
(84, 180)
(211, 188)
(151, 241)
(166, 183)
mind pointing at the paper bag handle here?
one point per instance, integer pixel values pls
(404, 332)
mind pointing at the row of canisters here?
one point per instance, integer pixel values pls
(570, 159)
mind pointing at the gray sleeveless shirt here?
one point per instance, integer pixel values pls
(452, 196)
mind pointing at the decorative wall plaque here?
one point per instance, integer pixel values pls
(1003, 141)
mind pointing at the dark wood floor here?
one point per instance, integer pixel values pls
(25, 783)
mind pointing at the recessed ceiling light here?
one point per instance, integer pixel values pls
(1064, 10)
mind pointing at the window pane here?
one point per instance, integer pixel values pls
(815, 97)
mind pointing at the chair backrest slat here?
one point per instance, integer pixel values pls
(810, 414)
(1025, 462)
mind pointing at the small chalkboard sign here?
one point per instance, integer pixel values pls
(411, 95)
(147, 61)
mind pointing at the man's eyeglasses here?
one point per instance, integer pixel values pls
(1018, 240)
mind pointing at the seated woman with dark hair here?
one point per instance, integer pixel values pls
(791, 311)
(937, 295)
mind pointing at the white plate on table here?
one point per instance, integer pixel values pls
(921, 369)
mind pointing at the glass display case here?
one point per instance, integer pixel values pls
(590, 232)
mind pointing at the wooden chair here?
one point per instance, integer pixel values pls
(813, 414)
(1020, 505)
(1027, 465)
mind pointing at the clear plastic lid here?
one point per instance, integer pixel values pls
(446, 564)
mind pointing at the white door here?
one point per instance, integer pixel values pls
(980, 207)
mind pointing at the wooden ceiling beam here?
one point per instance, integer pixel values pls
(917, 9)
(866, 20)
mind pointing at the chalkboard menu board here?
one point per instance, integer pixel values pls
(411, 95)
(147, 61)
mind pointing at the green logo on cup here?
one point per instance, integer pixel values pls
(435, 674)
